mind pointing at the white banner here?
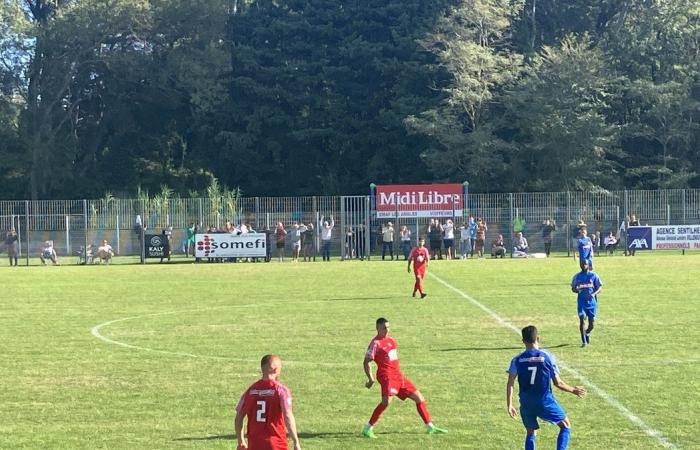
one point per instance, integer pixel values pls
(224, 245)
(675, 237)
(427, 213)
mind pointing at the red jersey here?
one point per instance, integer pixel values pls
(384, 352)
(264, 404)
(420, 257)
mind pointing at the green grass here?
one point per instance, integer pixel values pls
(197, 333)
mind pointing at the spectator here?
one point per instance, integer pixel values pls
(326, 236)
(12, 245)
(360, 244)
(596, 243)
(388, 240)
(296, 234)
(280, 238)
(498, 247)
(481, 229)
(611, 243)
(634, 222)
(405, 242)
(189, 241)
(448, 231)
(435, 238)
(268, 242)
(521, 248)
(167, 234)
(624, 225)
(549, 226)
(472, 235)
(598, 221)
(349, 243)
(48, 252)
(465, 243)
(105, 252)
(309, 243)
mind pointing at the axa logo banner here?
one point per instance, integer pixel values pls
(224, 245)
(639, 238)
(419, 200)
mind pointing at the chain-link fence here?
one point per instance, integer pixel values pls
(72, 225)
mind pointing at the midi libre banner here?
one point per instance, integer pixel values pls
(419, 200)
(224, 245)
(666, 237)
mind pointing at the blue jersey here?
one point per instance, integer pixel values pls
(585, 248)
(472, 230)
(586, 283)
(535, 370)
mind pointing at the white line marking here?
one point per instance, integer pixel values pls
(661, 439)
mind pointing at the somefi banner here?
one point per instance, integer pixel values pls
(156, 246)
(224, 245)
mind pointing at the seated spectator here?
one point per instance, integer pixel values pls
(610, 243)
(48, 252)
(105, 252)
(521, 248)
(498, 248)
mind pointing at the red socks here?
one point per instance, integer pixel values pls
(423, 412)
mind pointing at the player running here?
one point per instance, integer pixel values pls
(420, 257)
(587, 285)
(383, 351)
(535, 370)
(267, 404)
(585, 249)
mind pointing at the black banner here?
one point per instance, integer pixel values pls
(156, 246)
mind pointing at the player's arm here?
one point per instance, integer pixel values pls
(598, 287)
(292, 427)
(578, 391)
(512, 412)
(238, 425)
(368, 371)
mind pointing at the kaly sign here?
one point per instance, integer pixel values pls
(419, 200)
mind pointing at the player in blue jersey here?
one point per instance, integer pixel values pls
(585, 249)
(535, 370)
(587, 285)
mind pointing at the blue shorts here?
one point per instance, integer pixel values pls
(547, 409)
(587, 308)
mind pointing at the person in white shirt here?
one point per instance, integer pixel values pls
(388, 240)
(610, 243)
(326, 236)
(448, 231)
(48, 252)
(105, 252)
(405, 242)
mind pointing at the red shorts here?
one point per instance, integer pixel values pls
(267, 444)
(399, 386)
(419, 271)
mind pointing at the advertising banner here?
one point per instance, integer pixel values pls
(157, 246)
(667, 237)
(224, 245)
(419, 200)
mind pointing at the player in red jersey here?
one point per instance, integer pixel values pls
(267, 404)
(383, 351)
(420, 257)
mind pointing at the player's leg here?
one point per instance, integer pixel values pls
(408, 390)
(367, 430)
(420, 275)
(564, 434)
(530, 435)
(582, 327)
(529, 417)
(591, 312)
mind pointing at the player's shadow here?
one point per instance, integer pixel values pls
(232, 437)
(215, 437)
(486, 349)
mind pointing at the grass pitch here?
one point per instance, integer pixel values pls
(156, 356)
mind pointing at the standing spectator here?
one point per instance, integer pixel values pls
(521, 248)
(349, 243)
(634, 222)
(481, 229)
(189, 242)
(167, 234)
(610, 243)
(622, 231)
(296, 234)
(280, 239)
(48, 252)
(388, 240)
(309, 243)
(448, 231)
(472, 236)
(465, 243)
(360, 242)
(498, 247)
(139, 230)
(105, 252)
(267, 404)
(596, 243)
(269, 237)
(12, 245)
(435, 238)
(535, 371)
(326, 236)
(549, 226)
(405, 242)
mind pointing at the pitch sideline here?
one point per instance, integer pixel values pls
(612, 401)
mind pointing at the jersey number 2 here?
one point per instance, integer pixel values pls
(533, 369)
(260, 413)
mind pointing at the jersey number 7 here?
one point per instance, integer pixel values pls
(533, 369)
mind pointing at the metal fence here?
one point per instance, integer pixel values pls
(74, 224)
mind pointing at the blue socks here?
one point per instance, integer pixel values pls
(530, 442)
(563, 438)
